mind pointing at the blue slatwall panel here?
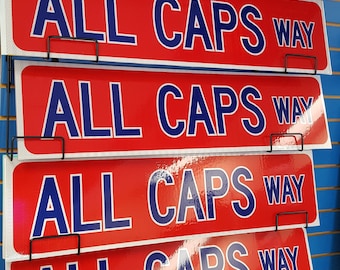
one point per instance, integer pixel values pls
(325, 239)
(326, 262)
(3, 134)
(328, 156)
(328, 199)
(1, 226)
(327, 177)
(332, 11)
(4, 100)
(332, 108)
(333, 36)
(330, 85)
(1, 169)
(335, 59)
(2, 262)
(1, 207)
(4, 71)
(327, 243)
(328, 222)
(334, 128)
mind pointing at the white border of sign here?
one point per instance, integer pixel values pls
(191, 246)
(9, 48)
(10, 254)
(24, 154)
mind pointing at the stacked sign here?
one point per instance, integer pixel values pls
(163, 153)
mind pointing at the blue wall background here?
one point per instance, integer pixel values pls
(325, 239)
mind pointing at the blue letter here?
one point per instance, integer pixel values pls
(163, 119)
(109, 220)
(199, 112)
(154, 211)
(159, 23)
(50, 208)
(282, 261)
(287, 190)
(206, 252)
(77, 203)
(298, 184)
(248, 210)
(102, 264)
(233, 261)
(189, 198)
(221, 26)
(59, 111)
(296, 111)
(213, 193)
(153, 257)
(258, 127)
(120, 130)
(222, 109)
(257, 48)
(307, 105)
(309, 31)
(268, 259)
(87, 117)
(293, 256)
(272, 188)
(197, 26)
(184, 262)
(297, 35)
(50, 11)
(282, 31)
(80, 23)
(112, 24)
(281, 106)
(72, 266)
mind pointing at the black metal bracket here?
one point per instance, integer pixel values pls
(285, 135)
(8, 89)
(72, 38)
(301, 56)
(14, 138)
(55, 236)
(290, 213)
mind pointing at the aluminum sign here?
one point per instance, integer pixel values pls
(205, 34)
(287, 249)
(100, 111)
(120, 203)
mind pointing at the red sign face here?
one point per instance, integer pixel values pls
(191, 34)
(105, 112)
(287, 249)
(120, 203)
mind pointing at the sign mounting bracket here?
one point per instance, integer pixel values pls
(290, 213)
(55, 236)
(301, 56)
(73, 39)
(8, 90)
(14, 138)
(294, 135)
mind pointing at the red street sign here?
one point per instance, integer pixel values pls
(108, 204)
(287, 249)
(189, 34)
(100, 111)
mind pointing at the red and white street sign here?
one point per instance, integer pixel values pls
(201, 34)
(286, 249)
(100, 111)
(108, 204)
